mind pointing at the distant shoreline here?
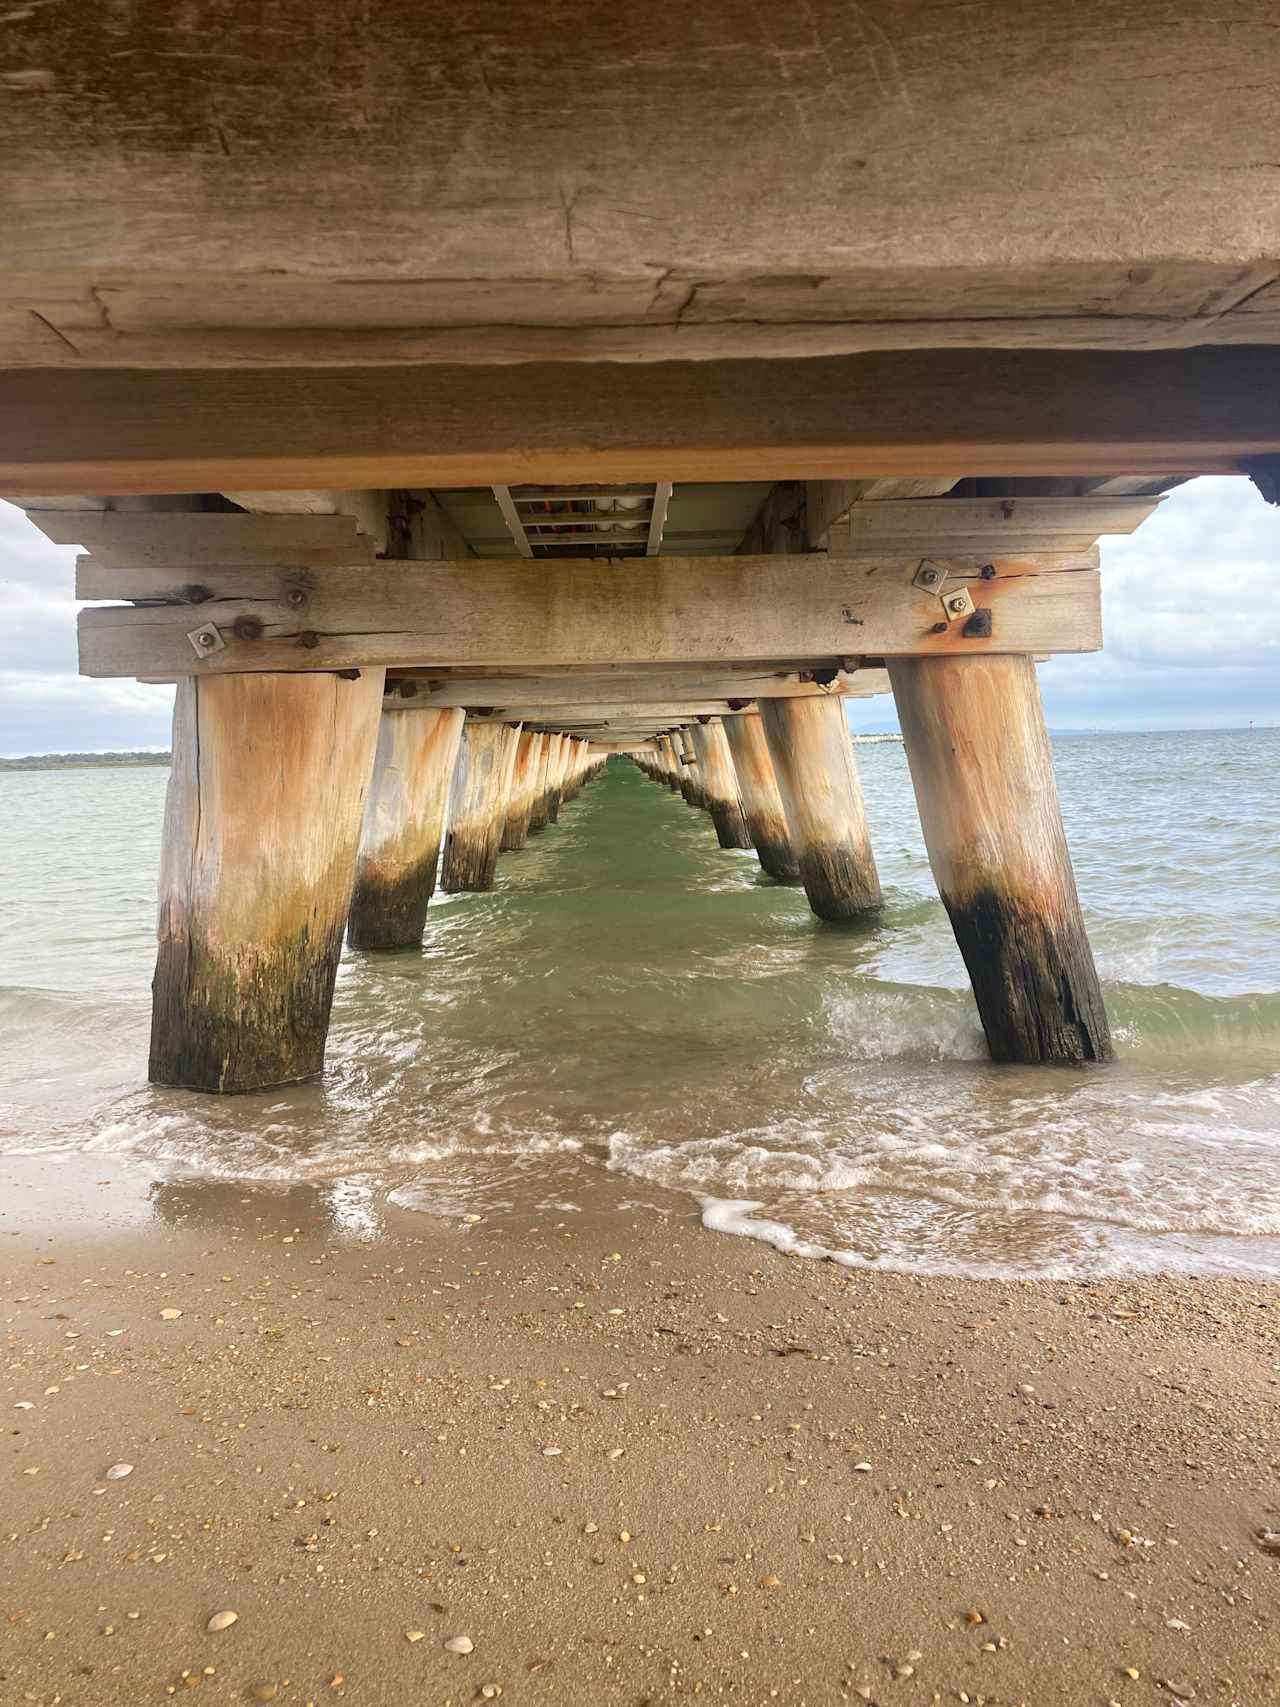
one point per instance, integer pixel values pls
(82, 761)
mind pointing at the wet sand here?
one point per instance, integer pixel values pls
(628, 1459)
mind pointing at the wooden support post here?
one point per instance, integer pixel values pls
(762, 806)
(670, 748)
(983, 776)
(262, 822)
(688, 779)
(720, 784)
(403, 825)
(555, 777)
(573, 776)
(477, 807)
(541, 786)
(817, 778)
(524, 783)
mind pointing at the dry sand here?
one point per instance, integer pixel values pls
(627, 1459)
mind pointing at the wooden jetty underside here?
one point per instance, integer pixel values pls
(448, 398)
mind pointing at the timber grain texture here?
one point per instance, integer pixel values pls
(932, 412)
(516, 179)
(262, 820)
(508, 611)
(982, 770)
(168, 537)
(719, 784)
(817, 777)
(762, 806)
(403, 826)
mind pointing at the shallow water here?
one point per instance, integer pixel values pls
(636, 1019)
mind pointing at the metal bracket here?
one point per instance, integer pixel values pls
(929, 577)
(207, 640)
(957, 603)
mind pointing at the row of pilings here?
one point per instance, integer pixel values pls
(483, 786)
(299, 810)
(783, 779)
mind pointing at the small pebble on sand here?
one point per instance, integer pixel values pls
(118, 1472)
(172, 1316)
(459, 1645)
(222, 1621)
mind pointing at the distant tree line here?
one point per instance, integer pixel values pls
(73, 761)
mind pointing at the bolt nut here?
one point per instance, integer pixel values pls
(929, 577)
(206, 640)
(958, 603)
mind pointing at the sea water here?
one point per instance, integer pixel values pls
(638, 1022)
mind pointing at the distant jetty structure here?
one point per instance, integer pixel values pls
(451, 410)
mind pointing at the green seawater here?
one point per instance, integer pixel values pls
(636, 1022)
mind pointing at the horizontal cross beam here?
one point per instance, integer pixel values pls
(650, 688)
(510, 611)
(922, 412)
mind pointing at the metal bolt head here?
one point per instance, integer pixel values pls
(958, 604)
(929, 577)
(206, 640)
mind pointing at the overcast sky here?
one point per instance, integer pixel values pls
(1191, 608)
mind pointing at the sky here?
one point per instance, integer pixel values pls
(1191, 618)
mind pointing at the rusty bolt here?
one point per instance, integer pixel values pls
(247, 628)
(194, 594)
(309, 638)
(938, 628)
(988, 571)
(348, 675)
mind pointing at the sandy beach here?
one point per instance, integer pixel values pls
(614, 1461)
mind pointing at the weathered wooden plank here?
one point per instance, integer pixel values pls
(510, 611)
(640, 690)
(828, 501)
(965, 524)
(198, 538)
(992, 412)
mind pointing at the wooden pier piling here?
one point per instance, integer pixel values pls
(524, 783)
(262, 824)
(762, 807)
(555, 776)
(477, 807)
(719, 784)
(983, 775)
(817, 778)
(541, 785)
(403, 825)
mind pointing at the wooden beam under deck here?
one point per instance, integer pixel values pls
(514, 612)
(967, 412)
(652, 687)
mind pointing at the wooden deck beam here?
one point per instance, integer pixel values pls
(967, 412)
(508, 611)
